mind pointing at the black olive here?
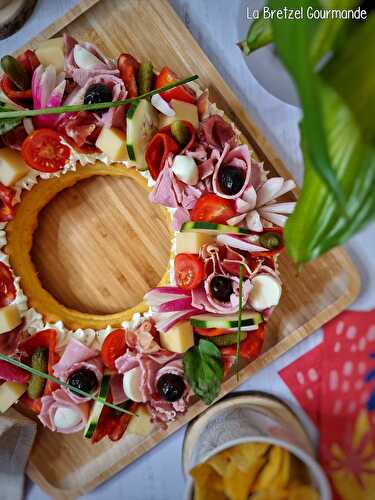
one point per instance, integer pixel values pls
(84, 379)
(171, 387)
(97, 92)
(231, 179)
(221, 288)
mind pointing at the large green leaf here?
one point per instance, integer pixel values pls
(346, 90)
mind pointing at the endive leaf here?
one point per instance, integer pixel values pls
(293, 40)
(347, 92)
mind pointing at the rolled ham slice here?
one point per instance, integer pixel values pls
(215, 132)
(239, 158)
(76, 357)
(60, 399)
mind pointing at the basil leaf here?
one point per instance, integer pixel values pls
(204, 370)
(7, 124)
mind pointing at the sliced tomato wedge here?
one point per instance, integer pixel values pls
(113, 347)
(157, 151)
(181, 93)
(250, 348)
(213, 208)
(43, 151)
(7, 288)
(211, 332)
(7, 209)
(189, 270)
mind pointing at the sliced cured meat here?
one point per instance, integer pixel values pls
(69, 62)
(238, 159)
(13, 373)
(7, 288)
(78, 130)
(10, 341)
(57, 403)
(117, 389)
(215, 132)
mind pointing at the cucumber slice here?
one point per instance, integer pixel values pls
(228, 339)
(141, 124)
(97, 408)
(209, 227)
(227, 321)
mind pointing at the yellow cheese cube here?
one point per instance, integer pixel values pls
(184, 111)
(9, 318)
(12, 166)
(192, 242)
(51, 52)
(10, 393)
(112, 141)
(179, 338)
(140, 425)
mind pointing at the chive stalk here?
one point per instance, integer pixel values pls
(239, 324)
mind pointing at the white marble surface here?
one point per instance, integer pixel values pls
(214, 23)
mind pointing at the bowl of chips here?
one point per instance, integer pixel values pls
(251, 446)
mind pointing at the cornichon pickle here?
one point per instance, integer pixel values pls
(145, 76)
(180, 132)
(270, 240)
(16, 72)
(228, 339)
(39, 361)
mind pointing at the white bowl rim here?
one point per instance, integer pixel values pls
(308, 460)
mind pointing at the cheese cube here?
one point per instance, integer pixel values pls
(10, 393)
(9, 318)
(140, 425)
(179, 338)
(184, 111)
(112, 141)
(192, 242)
(12, 166)
(52, 52)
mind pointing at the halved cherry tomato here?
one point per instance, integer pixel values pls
(250, 348)
(7, 288)
(43, 151)
(181, 93)
(211, 332)
(7, 209)
(128, 67)
(189, 270)
(113, 347)
(213, 208)
(157, 151)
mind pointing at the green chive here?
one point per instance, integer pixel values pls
(239, 325)
(34, 371)
(91, 107)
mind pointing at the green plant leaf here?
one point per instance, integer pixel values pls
(9, 123)
(259, 35)
(293, 40)
(204, 370)
(347, 92)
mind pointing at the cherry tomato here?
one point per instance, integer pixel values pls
(113, 347)
(157, 151)
(211, 332)
(128, 67)
(7, 209)
(213, 208)
(43, 151)
(189, 270)
(181, 93)
(250, 348)
(7, 288)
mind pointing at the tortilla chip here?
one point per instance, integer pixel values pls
(220, 462)
(283, 476)
(270, 494)
(268, 475)
(302, 492)
(245, 456)
(208, 485)
(237, 484)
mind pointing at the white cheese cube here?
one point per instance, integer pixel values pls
(192, 242)
(9, 318)
(12, 166)
(112, 141)
(140, 425)
(179, 338)
(10, 393)
(51, 52)
(184, 111)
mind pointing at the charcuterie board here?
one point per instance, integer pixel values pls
(111, 245)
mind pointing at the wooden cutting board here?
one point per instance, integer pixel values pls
(96, 235)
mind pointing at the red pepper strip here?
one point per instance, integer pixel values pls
(211, 332)
(250, 348)
(157, 151)
(122, 423)
(7, 210)
(105, 426)
(128, 67)
(29, 60)
(47, 339)
(167, 130)
(9, 89)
